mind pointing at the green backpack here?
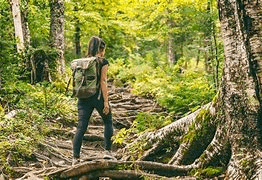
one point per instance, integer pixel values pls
(85, 74)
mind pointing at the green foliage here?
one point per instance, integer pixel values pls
(195, 133)
(123, 136)
(150, 122)
(39, 22)
(178, 92)
(19, 137)
(37, 105)
(49, 101)
(9, 61)
(137, 149)
(41, 55)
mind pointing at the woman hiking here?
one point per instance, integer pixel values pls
(99, 101)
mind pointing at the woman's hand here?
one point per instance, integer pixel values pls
(106, 108)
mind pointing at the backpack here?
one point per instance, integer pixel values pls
(85, 75)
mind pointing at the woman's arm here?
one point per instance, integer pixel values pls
(104, 88)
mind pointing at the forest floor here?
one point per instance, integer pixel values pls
(55, 152)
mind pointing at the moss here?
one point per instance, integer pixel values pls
(124, 167)
(244, 163)
(253, 101)
(200, 134)
(248, 167)
(2, 111)
(216, 97)
(203, 119)
(207, 172)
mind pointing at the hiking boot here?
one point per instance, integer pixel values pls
(108, 155)
(75, 161)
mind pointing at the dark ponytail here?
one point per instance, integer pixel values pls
(95, 46)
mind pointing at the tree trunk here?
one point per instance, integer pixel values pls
(171, 50)
(57, 31)
(17, 25)
(77, 39)
(25, 27)
(216, 57)
(40, 68)
(241, 23)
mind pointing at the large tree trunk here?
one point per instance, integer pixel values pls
(25, 26)
(17, 24)
(57, 31)
(241, 23)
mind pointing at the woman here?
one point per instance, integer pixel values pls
(99, 101)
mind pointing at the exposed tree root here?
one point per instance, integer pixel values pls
(171, 132)
(93, 137)
(217, 149)
(122, 174)
(87, 167)
(55, 152)
(258, 166)
(196, 140)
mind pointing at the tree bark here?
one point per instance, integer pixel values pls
(216, 57)
(77, 34)
(77, 39)
(101, 165)
(57, 31)
(25, 26)
(15, 6)
(241, 23)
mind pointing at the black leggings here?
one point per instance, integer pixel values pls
(85, 109)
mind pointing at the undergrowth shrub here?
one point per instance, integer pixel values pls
(38, 109)
(178, 89)
(150, 122)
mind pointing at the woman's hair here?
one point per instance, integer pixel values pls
(95, 46)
